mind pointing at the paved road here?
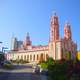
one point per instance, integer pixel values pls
(19, 76)
(21, 72)
(19, 68)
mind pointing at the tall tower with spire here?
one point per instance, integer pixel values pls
(54, 41)
(54, 28)
(68, 46)
(27, 42)
(67, 31)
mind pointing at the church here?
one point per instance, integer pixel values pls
(58, 48)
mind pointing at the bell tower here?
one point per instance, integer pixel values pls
(27, 42)
(54, 28)
(54, 37)
(67, 31)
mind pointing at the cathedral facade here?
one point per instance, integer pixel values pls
(57, 48)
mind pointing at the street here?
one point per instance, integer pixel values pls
(21, 72)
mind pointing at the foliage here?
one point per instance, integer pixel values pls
(13, 61)
(19, 61)
(44, 65)
(41, 62)
(61, 70)
(7, 66)
(50, 61)
(2, 58)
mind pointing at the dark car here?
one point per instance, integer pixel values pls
(44, 72)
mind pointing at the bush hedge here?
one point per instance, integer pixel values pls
(19, 61)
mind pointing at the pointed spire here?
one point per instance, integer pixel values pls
(54, 18)
(27, 37)
(27, 33)
(27, 42)
(54, 13)
(67, 24)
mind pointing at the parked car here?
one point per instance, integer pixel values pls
(44, 72)
(37, 69)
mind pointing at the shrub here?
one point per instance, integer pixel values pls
(13, 61)
(57, 72)
(44, 65)
(50, 61)
(7, 66)
(22, 61)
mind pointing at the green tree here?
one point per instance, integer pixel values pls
(58, 70)
(50, 61)
(2, 58)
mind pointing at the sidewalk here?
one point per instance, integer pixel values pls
(17, 70)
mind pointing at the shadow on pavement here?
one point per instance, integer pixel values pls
(21, 66)
(19, 76)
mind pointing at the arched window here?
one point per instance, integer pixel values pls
(34, 57)
(47, 56)
(25, 57)
(22, 57)
(41, 57)
(30, 57)
(37, 57)
(18, 57)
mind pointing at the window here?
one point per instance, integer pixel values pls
(41, 57)
(25, 57)
(34, 57)
(18, 57)
(37, 57)
(47, 56)
(30, 57)
(21, 57)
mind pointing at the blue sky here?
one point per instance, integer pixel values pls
(17, 17)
